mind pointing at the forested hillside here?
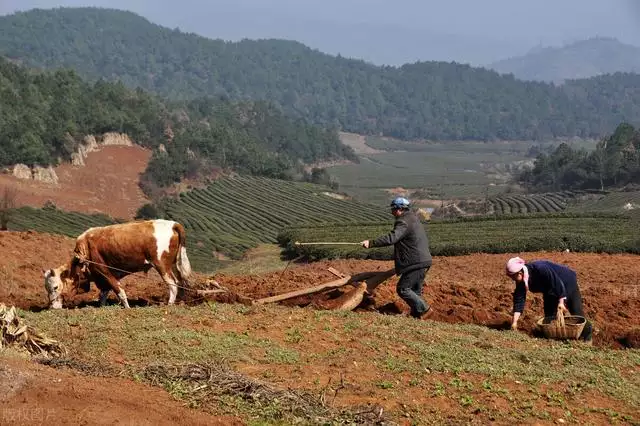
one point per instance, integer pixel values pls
(614, 163)
(424, 100)
(45, 115)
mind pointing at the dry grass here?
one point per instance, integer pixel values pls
(208, 385)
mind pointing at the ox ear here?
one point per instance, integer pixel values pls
(46, 272)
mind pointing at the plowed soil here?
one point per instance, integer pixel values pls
(464, 289)
(108, 183)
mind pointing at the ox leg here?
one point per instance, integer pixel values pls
(181, 281)
(173, 287)
(122, 296)
(103, 297)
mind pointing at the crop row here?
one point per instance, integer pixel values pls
(235, 214)
(227, 218)
(532, 203)
(53, 221)
(553, 232)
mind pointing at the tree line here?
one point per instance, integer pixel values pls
(424, 100)
(614, 163)
(44, 116)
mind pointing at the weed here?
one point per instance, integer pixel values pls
(293, 336)
(439, 389)
(385, 384)
(282, 356)
(466, 400)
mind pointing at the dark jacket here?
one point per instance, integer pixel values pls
(411, 245)
(548, 278)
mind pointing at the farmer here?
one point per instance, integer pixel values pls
(411, 255)
(557, 283)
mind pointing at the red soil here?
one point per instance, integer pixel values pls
(108, 183)
(464, 289)
(470, 289)
(35, 394)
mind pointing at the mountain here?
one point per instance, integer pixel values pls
(45, 116)
(424, 100)
(583, 59)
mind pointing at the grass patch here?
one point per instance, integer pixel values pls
(380, 357)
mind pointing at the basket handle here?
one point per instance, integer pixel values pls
(560, 316)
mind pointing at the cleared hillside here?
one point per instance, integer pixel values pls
(108, 183)
(434, 100)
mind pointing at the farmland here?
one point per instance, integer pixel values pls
(226, 218)
(549, 202)
(235, 214)
(516, 233)
(450, 170)
(52, 220)
(250, 362)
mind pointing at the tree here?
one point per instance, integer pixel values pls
(148, 211)
(7, 204)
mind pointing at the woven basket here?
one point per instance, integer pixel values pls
(562, 327)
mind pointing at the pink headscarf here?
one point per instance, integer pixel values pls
(516, 264)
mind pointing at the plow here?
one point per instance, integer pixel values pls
(354, 287)
(360, 285)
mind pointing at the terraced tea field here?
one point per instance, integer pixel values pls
(511, 234)
(233, 215)
(54, 221)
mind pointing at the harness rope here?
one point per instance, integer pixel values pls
(139, 273)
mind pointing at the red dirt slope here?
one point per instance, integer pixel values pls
(108, 183)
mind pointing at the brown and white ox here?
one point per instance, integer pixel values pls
(105, 255)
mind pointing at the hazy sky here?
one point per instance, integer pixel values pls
(382, 31)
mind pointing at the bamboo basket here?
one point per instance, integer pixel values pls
(562, 327)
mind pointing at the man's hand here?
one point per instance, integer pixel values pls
(365, 243)
(514, 326)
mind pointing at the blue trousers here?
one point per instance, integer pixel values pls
(409, 289)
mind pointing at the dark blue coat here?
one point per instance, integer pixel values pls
(548, 278)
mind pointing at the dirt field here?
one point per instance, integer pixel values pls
(108, 183)
(464, 289)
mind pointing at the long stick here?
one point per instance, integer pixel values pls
(373, 279)
(332, 284)
(297, 243)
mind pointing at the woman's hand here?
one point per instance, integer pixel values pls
(562, 307)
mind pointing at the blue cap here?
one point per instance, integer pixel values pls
(400, 203)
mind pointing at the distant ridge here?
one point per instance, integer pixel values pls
(582, 59)
(424, 100)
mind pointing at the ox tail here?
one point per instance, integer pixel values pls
(182, 261)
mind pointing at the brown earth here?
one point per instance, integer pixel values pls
(108, 183)
(35, 394)
(463, 289)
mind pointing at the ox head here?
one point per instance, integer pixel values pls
(55, 282)
(63, 280)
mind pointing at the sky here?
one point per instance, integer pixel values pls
(384, 32)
